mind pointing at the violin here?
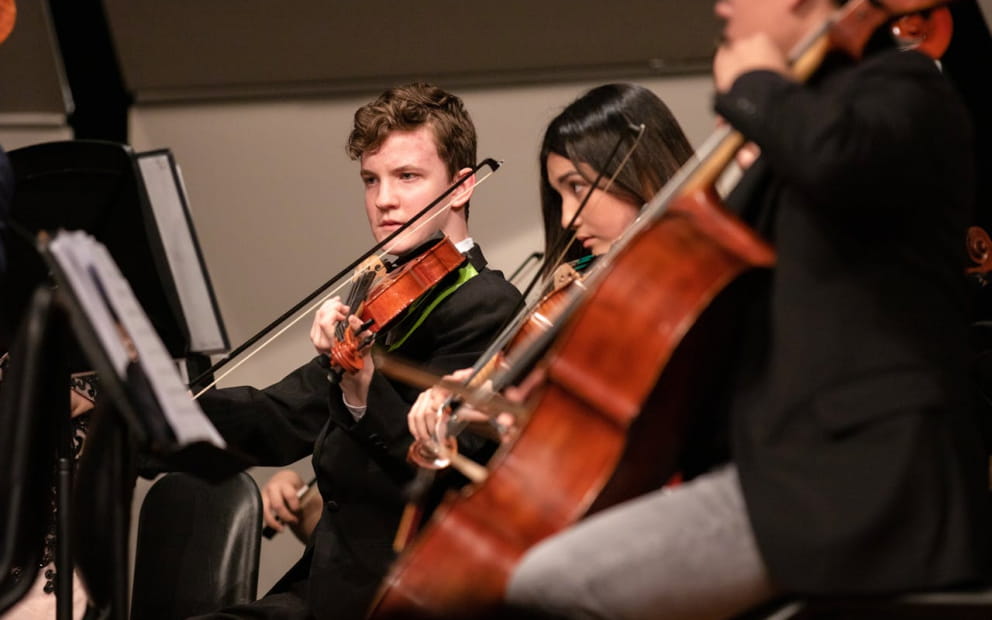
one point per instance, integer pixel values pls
(586, 444)
(385, 296)
(547, 311)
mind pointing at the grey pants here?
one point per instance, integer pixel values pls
(685, 552)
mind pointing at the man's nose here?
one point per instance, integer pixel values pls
(386, 197)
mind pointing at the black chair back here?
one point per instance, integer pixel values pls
(197, 548)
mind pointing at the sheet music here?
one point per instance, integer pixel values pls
(95, 277)
(69, 249)
(165, 194)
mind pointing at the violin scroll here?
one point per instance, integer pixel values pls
(380, 299)
(979, 247)
(345, 353)
(925, 25)
(927, 31)
(436, 454)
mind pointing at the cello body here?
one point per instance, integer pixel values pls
(618, 387)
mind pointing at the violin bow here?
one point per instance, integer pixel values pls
(492, 164)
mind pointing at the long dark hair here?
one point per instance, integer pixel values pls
(586, 132)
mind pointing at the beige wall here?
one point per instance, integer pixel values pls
(278, 205)
(17, 130)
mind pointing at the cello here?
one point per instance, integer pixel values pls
(586, 444)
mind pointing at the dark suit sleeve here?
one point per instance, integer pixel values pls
(836, 149)
(453, 337)
(277, 425)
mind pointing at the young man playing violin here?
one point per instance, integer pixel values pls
(857, 466)
(413, 143)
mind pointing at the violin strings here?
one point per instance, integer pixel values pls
(359, 290)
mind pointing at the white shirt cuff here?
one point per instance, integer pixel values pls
(356, 412)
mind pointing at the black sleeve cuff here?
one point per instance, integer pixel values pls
(748, 105)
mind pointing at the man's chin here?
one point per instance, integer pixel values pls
(407, 242)
(398, 247)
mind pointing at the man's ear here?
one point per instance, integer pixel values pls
(460, 196)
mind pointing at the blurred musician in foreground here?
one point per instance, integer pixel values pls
(857, 465)
(412, 142)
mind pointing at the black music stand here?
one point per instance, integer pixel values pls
(136, 206)
(34, 389)
(92, 300)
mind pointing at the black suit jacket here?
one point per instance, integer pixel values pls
(361, 467)
(852, 425)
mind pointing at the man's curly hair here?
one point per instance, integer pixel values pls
(408, 107)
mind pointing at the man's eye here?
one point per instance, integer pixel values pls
(367, 181)
(406, 176)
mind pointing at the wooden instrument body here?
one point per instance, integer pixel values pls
(392, 294)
